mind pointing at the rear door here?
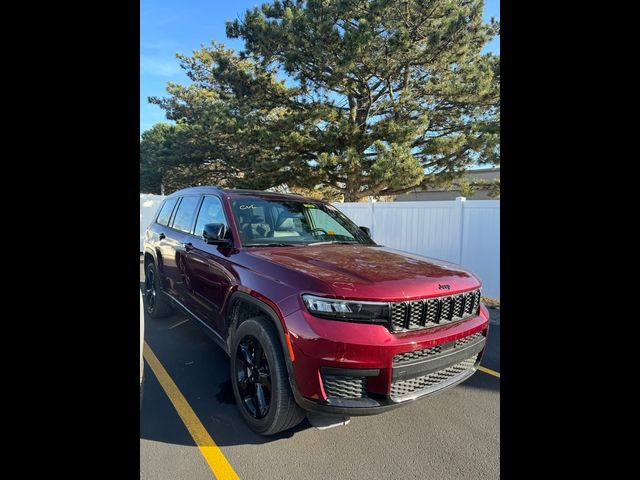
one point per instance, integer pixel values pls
(175, 249)
(210, 272)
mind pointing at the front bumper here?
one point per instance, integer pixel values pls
(363, 356)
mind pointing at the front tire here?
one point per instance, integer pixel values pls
(157, 304)
(259, 378)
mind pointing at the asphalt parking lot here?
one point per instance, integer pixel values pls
(452, 435)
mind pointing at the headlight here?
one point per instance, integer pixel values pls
(349, 310)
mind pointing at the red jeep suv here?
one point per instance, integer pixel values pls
(315, 316)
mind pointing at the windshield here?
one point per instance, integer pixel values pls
(267, 222)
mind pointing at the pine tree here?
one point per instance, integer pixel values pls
(380, 96)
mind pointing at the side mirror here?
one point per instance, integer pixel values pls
(214, 233)
(366, 230)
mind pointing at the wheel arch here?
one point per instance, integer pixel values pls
(149, 256)
(243, 306)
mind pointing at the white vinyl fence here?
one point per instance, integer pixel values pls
(466, 232)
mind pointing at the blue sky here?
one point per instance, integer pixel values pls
(170, 26)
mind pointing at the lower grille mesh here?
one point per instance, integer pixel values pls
(468, 339)
(338, 386)
(416, 355)
(430, 381)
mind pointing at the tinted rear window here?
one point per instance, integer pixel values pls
(186, 213)
(165, 211)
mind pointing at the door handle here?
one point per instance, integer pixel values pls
(162, 236)
(188, 246)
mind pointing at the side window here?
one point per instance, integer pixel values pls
(210, 212)
(185, 214)
(165, 211)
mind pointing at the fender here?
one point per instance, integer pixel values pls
(274, 314)
(157, 259)
(151, 252)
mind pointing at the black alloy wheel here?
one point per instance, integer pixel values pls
(260, 379)
(253, 377)
(157, 305)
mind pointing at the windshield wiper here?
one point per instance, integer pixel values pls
(335, 241)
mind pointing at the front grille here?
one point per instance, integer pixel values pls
(399, 314)
(408, 357)
(432, 381)
(431, 312)
(415, 313)
(433, 306)
(338, 386)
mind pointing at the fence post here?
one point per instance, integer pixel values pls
(460, 209)
(373, 216)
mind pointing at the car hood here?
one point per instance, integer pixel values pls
(372, 272)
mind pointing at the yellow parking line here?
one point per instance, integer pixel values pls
(210, 451)
(489, 371)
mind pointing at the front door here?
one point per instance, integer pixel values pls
(210, 272)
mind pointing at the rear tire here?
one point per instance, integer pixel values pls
(156, 303)
(259, 379)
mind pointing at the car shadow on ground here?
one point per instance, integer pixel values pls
(160, 422)
(219, 415)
